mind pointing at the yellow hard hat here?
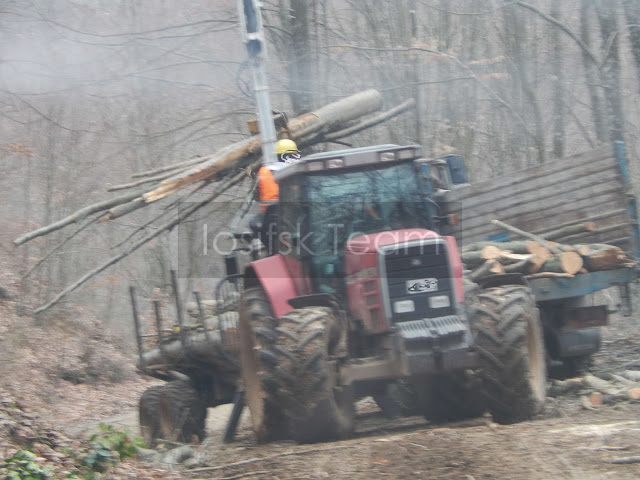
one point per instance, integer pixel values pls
(285, 145)
(287, 151)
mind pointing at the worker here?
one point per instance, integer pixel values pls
(267, 192)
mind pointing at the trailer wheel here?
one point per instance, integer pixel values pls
(451, 397)
(149, 414)
(305, 372)
(182, 413)
(257, 335)
(508, 339)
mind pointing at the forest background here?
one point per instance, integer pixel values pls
(92, 91)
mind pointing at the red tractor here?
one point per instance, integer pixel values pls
(364, 297)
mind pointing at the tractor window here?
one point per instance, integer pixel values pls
(347, 204)
(293, 218)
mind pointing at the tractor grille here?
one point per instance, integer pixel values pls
(418, 281)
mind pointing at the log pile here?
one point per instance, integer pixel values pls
(595, 391)
(540, 256)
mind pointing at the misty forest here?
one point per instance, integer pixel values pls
(92, 91)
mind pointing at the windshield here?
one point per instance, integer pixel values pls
(344, 205)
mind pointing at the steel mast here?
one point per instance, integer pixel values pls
(251, 23)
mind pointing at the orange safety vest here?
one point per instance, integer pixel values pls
(268, 188)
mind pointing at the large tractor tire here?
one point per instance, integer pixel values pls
(257, 325)
(182, 413)
(450, 397)
(149, 414)
(304, 373)
(509, 342)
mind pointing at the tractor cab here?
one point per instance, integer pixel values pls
(327, 200)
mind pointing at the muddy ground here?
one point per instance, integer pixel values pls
(569, 441)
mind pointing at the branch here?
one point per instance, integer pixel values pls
(563, 27)
(270, 457)
(167, 168)
(157, 217)
(132, 248)
(77, 216)
(59, 246)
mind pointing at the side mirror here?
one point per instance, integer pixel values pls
(457, 170)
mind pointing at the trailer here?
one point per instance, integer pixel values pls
(594, 186)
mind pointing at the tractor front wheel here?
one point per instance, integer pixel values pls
(257, 334)
(509, 342)
(304, 370)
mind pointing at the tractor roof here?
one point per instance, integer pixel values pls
(350, 159)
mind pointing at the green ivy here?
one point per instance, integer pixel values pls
(105, 450)
(23, 465)
(109, 446)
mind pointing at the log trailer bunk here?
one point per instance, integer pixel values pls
(364, 297)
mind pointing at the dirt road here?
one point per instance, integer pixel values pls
(568, 441)
(582, 445)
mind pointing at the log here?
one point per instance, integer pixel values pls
(563, 387)
(538, 259)
(564, 262)
(489, 267)
(205, 347)
(550, 275)
(523, 246)
(599, 385)
(473, 259)
(626, 460)
(519, 267)
(602, 257)
(240, 153)
(633, 375)
(492, 252)
(598, 399)
(375, 120)
(522, 233)
(570, 230)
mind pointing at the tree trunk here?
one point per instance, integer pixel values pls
(632, 14)
(559, 120)
(611, 68)
(591, 74)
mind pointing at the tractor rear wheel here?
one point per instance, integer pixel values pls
(182, 413)
(149, 414)
(509, 342)
(257, 324)
(304, 372)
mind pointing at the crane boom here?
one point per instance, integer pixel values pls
(251, 23)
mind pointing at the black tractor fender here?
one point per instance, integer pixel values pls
(503, 279)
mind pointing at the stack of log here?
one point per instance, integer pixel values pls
(541, 256)
(595, 391)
